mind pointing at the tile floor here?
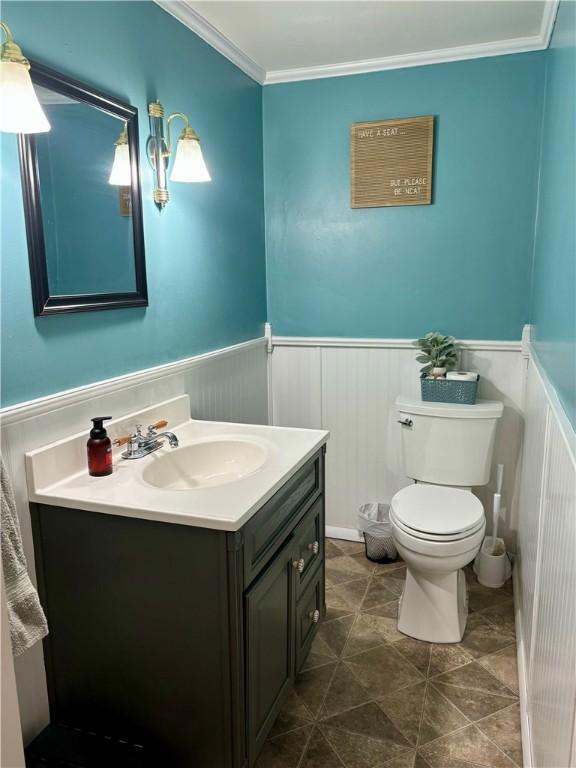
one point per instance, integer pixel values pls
(369, 697)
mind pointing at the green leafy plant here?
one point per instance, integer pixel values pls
(436, 351)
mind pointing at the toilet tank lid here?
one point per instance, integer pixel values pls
(483, 409)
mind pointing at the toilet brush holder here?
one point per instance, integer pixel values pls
(492, 565)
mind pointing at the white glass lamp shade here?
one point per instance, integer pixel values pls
(189, 162)
(20, 110)
(121, 173)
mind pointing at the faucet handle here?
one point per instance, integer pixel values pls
(160, 424)
(122, 440)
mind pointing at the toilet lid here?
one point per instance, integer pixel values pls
(438, 510)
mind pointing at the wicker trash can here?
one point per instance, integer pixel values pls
(374, 525)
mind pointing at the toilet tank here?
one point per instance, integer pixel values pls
(448, 443)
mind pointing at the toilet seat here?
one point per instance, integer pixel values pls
(435, 537)
(436, 513)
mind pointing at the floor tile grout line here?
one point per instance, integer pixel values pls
(333, 748)
(359, 733)
(498, 712)
(474, 723)
(349, 581)
(498, 747)
(508, 687)
(315, 721)
(303, 755)
(478, 660)
(407, 661)
(317, 717)
(464, 715)
(429, 680)
(356, 614)
(459, 730)
(341, 657)
(421, 720)
(513, 698)
(465, 762)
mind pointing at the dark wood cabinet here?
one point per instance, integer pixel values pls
(183, 640)
(269, 644)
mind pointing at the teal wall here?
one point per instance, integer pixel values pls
(467, 264)
(553, 311)
(461, 265)
(204, 252)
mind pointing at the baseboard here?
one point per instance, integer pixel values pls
(348, 534)
(522, 674)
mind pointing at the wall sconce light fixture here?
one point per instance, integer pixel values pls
(121, 173)
(189, 165)
(20, 110)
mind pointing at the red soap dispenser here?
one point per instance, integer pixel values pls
(99, 448)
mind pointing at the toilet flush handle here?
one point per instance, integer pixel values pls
(405, 422)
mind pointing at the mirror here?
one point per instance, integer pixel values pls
(84, 227)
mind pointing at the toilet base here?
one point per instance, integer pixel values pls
(434, 606)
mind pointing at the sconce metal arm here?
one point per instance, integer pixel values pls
(9, 51)
(187, 133)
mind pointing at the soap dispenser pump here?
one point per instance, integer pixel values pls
(99, 447)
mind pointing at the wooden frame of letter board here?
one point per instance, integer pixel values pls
(377, 160)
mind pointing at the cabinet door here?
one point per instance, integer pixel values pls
(270, 645)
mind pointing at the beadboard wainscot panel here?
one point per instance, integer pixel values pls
(530, 504)
(224, 385)
(545, 578)
(553, 659)
(349, 386)
(297, 387)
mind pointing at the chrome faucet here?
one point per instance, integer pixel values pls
(139, 445)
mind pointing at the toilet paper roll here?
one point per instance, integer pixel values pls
(462, 376)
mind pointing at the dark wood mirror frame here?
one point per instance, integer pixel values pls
(43, 302)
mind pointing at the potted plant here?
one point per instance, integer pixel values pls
(438, 353)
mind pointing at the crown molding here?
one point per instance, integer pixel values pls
(548, 20)
(441, 56)
(182, 10)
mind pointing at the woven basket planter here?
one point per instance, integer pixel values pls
(448, 391)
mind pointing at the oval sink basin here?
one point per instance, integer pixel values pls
(201, 465)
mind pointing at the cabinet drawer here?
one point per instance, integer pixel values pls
(309, 611)
(270, 526)
(309, 546)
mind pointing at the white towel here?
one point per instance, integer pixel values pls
(25, 614)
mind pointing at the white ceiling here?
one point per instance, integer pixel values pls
(277, 41)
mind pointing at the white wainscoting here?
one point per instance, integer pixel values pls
(546, 579)
(225, 385)
(349, 386)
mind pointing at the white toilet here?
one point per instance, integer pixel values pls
(437, 523)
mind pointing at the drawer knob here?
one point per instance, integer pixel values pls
(314, 616)
(299, 564)
(314, 547)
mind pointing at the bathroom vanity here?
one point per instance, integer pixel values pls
(168, 632)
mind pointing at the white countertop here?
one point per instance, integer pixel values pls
(57, 474)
